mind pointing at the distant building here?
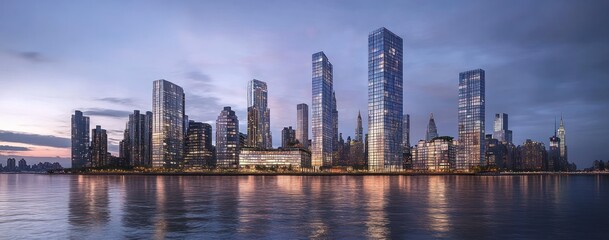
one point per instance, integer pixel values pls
(198, 150)
(335, 138)
(564, 160)
(322, 111)
(302, 125)
(495, 152)
(406, 153)
(554, 160)
(80, 140)
(227, 139)
(288, 137)
(437, 155)
(385, 100)
(471, 119)
(258, 115)
(23, 165)
(137, 143)
(532, 156)
(500, 130)
(294, 157)
(167, 124)
(99, 147)
(432, 130)
(359, 130)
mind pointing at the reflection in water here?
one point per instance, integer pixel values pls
(297, 207)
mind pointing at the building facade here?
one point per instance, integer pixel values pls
(564, 161)
(289, 157)
(385, 100)
(137, 142)
(302, 125)
(198, 150)
(288, 137)
(432, 130)
(532, 156)
(437, 155)
(227, 139)
(167, 124)
(80, 140)
(471, 119)
(500, 128)
(258, 115)
(322, 123)
(99, 147)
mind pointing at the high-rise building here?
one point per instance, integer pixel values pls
(532, 156)
(500, 130)
(432, 130)
(471, 119)
(563, 144)
(137, 142)
(11, 165)
(99, 147)
(23, 165)
(302, 125)
(80, 140)
(322, 123)
(258, 115)
(437, 155)
(554, 155)
(288, 137)
(406, 132)
(334, 126)
(385, 100)
(359, 130)
(198, 150)
(167, 124)
(227, 139)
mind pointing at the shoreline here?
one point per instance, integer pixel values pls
(317, 174)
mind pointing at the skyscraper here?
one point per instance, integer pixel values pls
(99, 147)
(258, 115)
(385, 100)
(288, 137)
(334, 125)
(359, 130)
(227, 139)
(302, 125)
(471, 119)
(432, 130)
(198, 150)
(406, 131)
(322, 123)
(563, 144)
(500, 130)
(80, 140)
(137, 145)
(167, 124)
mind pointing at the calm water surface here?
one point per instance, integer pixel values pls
(301, 207)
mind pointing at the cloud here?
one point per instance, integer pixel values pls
(31, 56)
(13, 148)
(199, 80)
(106, 112)
(123, 101)
(34, 139)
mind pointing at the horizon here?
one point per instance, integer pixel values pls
(537, 70)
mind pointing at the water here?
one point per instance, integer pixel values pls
(301, 207)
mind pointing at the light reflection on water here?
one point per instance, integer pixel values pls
(297, 207)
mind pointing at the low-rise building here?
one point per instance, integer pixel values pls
(286, 157)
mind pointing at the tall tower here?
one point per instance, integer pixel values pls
(359, 130)
(406, 132)
(138, 139)
(385, 100)
(322, 124)
(80, 140)
(432, 130)
(198, 150)
(334, 124)
(99, 147)
(471, 119)
(258, 115)
(227, 139)
(288, 137)
(302, 125)
(167, 124)
(563, 143)
(500, 128)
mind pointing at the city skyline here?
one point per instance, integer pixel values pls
(109, 106)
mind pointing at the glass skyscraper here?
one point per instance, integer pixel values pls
(385, 100)
(322, 124)
(500, 128)
(302, 124)
(167, 124)
(406, 132)
(80, 140)
(432, 130)
(137, 144)
(227, 139)
(471, 119)
(258, 115)
(99, 147)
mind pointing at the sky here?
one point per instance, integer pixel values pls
(543, 60)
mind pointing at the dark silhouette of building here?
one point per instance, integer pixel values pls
(288, 137)
(99, 147)
(80, 140)
(198, 150)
